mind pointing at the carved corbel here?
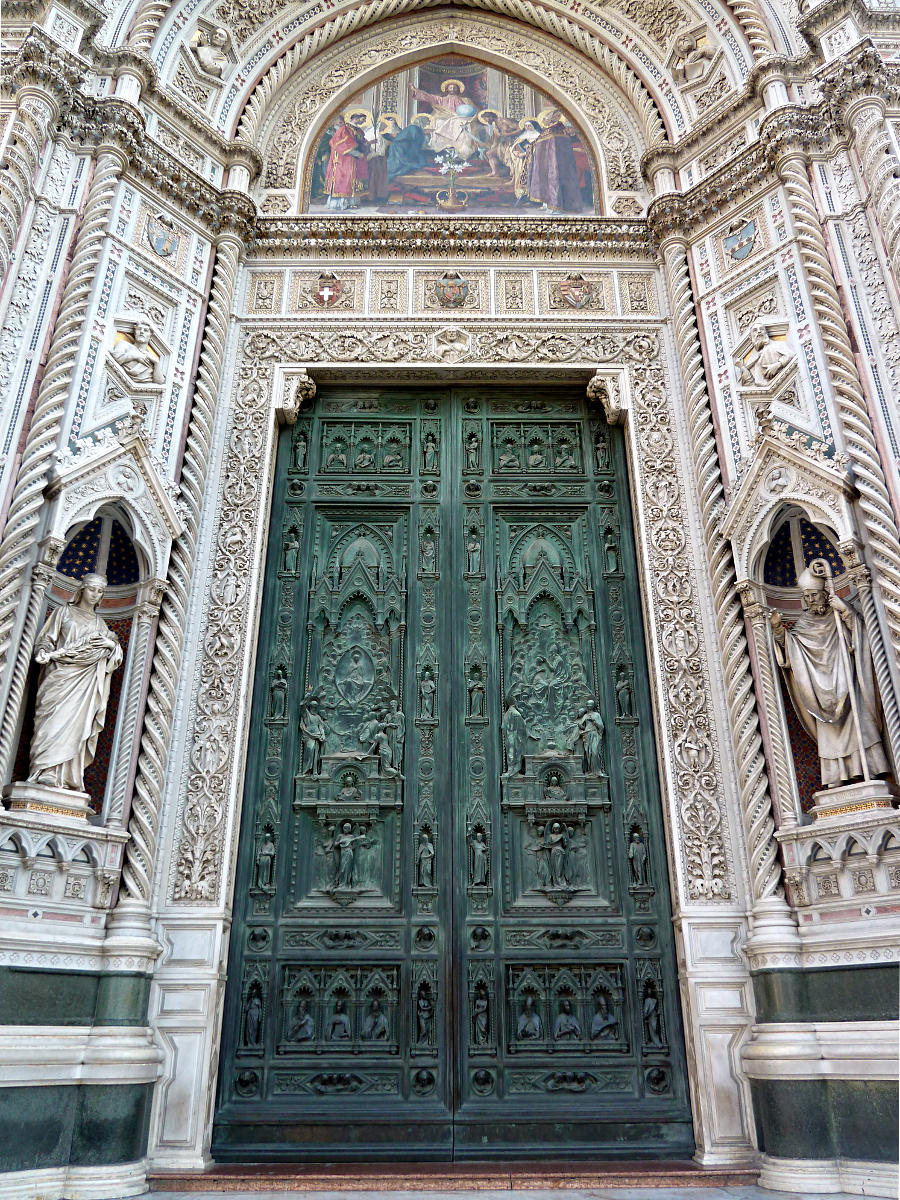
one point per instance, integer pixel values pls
(607, 388)
(298, 389)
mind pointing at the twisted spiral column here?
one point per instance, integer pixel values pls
(143, 824)
(36, 110)
(880, 169)
(748, 17)
(43, 435)
(146, 25)
(856, 424)
(756, 802)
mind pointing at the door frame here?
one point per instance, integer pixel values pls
(631, 368)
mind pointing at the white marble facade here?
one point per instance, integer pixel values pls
(748, 165)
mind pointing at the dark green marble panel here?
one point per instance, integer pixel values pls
(828, 994)
(77, 1125)
(827, 1118)
(35, 997)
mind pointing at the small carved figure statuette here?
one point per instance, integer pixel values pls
(253, 1016)
(278, 695)
(429, 454)
(651, 1015)
(427, 690)
(425, 861)
(291, 552)
(209, 51)
(312, 732)
(265, 862)
(302, 1026)
(610, 553)
(338, 1027)
(134, 355)
(77, 653)
(624, 694)
(424, 1016)
(375, 1025)
(637, 859)
(343, 844)
(473, 448)
(601, 452)
(473, 553)
(516, 734)
(692, 57)
(395, 726)
(481, 1015)
(567, 1027)
(766, 360)
(301, 446)
(590, 731)
(476, 694)
(429, 554)
(604, 1023)
(479, 863)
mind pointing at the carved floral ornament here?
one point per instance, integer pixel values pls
(638, 382)
(289, 130)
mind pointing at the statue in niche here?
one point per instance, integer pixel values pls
(312, 732)
(604, 1023)
(302, 1026)
(530, 1027)
(509, 459)
(556, 842)
(278, 695)
(77, 653)
(425, 861)
(766, 360)
(365, 459)
(265, 862)
(472, 452)
(338, 1028)
(395, 725)
(651, 1015)
(692, 57)
(343, 844)
(429, 553)
(375, 1026)
(393, 459)
(427, 690)
(481, 1015)
(473, 552)
(291, 552)
(209, 51)
(624, 694)
(601, 452)
(536, 459)
(135, 357)
(424, 1015)
(253, 1011)
(610, 553)
(475, 685)
(516, 734)
(577, 857)
(565, 459)
(337, 457)
(301, 448)
(554, 791)
(567, 1027)
(590, 731)
(430, 453)
(827, 664)
(637, 859)
(478, 871)
(540, 850)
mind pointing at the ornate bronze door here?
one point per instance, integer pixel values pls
(452, 934)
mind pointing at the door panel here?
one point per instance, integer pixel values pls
(451, 927)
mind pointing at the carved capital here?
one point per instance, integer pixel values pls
(750, 593)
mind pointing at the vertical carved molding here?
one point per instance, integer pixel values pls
(35, 111)
(143, 824)
(40, 580)
(880, 170)
(120, 767)
(856, 425)
(43, 436)
(779, 748)
(756, 802)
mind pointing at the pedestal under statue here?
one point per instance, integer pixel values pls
(77, 653)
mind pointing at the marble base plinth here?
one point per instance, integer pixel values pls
(863, 797)
(38, 799)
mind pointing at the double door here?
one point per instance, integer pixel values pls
(452, 936)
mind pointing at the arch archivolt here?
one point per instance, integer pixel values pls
(287, 132)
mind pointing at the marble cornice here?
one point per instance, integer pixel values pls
(463, 237)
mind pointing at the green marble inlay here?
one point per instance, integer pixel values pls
(35, 997)
(827, 1118)
(81, 1125)
(828, 994)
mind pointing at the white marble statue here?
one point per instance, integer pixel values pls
(135, 357)
(78, 653)
(827, 664)
(766, 360)
(209, 51)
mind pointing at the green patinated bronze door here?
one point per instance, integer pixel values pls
(452, 935)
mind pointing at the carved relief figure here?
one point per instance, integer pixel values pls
(624, 694)
(425, 861)
(395, 725)
(473, 553)
(591, 731)
(424, 1015)
(265, 862)
(478, 876)
(382, 747)
(344, 844)
(651, 1015)
(692, 58)
(766, 359)
(556, 842)
(637, 859)
(481, 1015)
(429, 454)
(278, 697)
(828, 668)
(530, 1026)
(301, 447)
(429, 551)
(338, 1028)
(567, 1026)
(427, 689)
(515, 733)
(253, 1011)
(601, 452)
(135, 357)
(540, 850)
(375, 1026)
(312, 732)
(302, 1026)
(472, 452)
(209, 51)
(77, 653)
(291, 551)
(604, 1023)
(610, 553)
(476, 693)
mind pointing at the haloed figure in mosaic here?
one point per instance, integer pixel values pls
(77, 653)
